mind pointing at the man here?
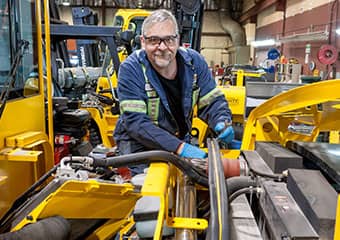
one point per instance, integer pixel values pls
(158, 88)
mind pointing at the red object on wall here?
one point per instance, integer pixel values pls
(327, 54)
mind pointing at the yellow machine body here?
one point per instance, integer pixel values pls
(25, 148)
(298, 114)
(94, 199)
(91, 199)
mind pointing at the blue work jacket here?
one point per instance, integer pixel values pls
(198, 88)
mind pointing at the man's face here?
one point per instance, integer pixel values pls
(161, 43)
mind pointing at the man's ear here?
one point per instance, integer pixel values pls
(142, 41)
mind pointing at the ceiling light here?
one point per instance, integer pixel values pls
(66, 3)
(338, 31)
(263, 43)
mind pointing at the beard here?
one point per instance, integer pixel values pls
(163, 59)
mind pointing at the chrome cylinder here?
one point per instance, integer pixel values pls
(185, 206)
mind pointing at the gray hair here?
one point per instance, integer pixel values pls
(160, 15)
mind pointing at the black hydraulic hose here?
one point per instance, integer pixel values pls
(239, 182)
(23, 197)
(56, 228)
(241, 191)
(150, 157)
(218, 223)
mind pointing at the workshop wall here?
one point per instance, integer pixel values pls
(214, 42)
(301, 18)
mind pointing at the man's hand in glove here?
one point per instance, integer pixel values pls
(225, 131)
(187, 150)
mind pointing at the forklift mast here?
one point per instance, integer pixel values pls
(87, 50)
(189, 15)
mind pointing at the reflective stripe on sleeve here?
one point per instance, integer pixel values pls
(209, 97)
(133, 106)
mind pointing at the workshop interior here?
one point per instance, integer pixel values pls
(277, 63)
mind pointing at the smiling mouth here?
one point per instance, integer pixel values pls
(162, 57)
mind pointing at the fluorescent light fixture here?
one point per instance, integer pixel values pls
(338, 31)
(66, 3)
(263, 43)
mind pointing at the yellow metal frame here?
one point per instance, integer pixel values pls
(158, 181)
(314, 104)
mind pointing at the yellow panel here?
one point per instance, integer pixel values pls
(337, 221)
(20, 155)
(25, 138)
(156, 180)
(230, 153)
(91, 199)
(86, 200)
(22, 115)
(236, 97)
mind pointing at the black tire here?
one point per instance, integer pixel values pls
(95, 137)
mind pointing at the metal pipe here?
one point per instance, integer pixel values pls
(233, 28)
(185, 206)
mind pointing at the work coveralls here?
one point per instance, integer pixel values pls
(136, 130)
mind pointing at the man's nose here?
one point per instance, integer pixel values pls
(162, 45)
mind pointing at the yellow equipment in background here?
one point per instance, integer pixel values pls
(131, 20)
(233, 87)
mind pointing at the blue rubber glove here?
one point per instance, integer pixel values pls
(226, 133)
(190, 151)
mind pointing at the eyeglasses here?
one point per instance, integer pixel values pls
(155, 40)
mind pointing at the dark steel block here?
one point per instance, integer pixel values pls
(325, 156)
(316, 198)
(278, 158)
(283, 217)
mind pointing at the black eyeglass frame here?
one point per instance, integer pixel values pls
(165, 40)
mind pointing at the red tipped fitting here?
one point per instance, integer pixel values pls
(231, 167)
